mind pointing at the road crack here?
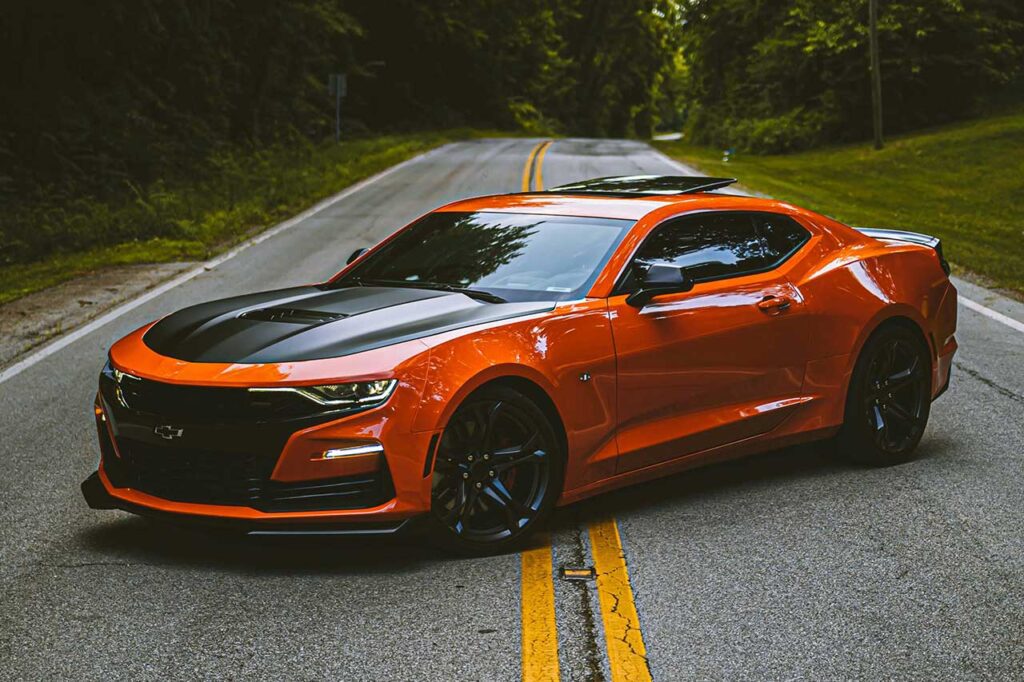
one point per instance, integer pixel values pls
(592, 650)
(1002, 390)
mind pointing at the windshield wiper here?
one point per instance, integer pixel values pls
(472, 293)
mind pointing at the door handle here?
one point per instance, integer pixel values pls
(773, 305)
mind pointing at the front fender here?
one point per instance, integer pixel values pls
(567, 353)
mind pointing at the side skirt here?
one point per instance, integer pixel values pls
(736, 450)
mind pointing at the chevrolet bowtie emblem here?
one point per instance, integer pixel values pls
(167, 432)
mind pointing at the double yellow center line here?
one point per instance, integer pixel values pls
(624, 642)
(534, 167)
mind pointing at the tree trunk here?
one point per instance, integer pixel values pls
(876, 73)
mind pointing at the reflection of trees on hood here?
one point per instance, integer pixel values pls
(453, 252)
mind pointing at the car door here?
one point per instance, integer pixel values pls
(721, 362)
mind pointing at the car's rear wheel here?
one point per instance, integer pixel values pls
(497, 474)
(889, 399)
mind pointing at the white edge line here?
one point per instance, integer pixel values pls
(69, 338)
(682, 168)
(992, 314)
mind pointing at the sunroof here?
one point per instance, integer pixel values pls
(641, 185)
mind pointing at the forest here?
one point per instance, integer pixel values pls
(104, 100)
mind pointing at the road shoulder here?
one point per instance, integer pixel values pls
(31, 320)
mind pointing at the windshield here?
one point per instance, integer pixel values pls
(514, 256)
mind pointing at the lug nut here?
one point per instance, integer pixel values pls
(491, 474)
(465, 475)
(479, 485)
(486, 457)
(470, 458)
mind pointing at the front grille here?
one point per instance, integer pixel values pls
(213, 404)
(204, 403)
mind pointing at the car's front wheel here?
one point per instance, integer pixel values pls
(889, 398)
(498, 472)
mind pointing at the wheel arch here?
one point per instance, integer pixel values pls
(889, 318)
(899, 316)
(540, 397)
(526, 380)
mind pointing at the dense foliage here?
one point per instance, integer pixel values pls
(100, 93)
(110, 101)
(778, 75)
(107, 104)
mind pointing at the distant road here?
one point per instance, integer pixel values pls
(784, 566)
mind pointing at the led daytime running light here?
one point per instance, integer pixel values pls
(353, 393)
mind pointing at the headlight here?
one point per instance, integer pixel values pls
(359, 393)
(117, 375)
(121, 381)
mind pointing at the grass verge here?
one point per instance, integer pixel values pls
(962, 183)
(239, 195)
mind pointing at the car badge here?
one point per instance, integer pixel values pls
(168, 432)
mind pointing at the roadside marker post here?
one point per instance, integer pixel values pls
(337, 85)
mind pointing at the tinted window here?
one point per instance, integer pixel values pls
(783, 234)
(721, 244)
(517, 256)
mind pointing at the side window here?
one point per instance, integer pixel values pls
(718, 245)
(783, 234)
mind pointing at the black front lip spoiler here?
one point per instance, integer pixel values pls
(97, 497)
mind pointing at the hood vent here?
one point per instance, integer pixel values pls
(292, 316)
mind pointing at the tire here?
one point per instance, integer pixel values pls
(889, 399)
(497, 475)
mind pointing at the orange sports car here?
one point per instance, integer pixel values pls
(506, 354)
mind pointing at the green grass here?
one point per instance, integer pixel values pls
(962, 183)
(239, 194)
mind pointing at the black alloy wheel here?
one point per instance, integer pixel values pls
(497, 473)
(890, 398)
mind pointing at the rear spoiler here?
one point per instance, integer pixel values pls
(904, 236)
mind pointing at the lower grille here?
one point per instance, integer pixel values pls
(235, 479)
(203, 476)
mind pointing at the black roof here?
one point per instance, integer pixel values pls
(643, 185)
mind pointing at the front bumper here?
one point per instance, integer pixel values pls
(262, 475)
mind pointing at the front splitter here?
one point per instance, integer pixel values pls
(97, 497)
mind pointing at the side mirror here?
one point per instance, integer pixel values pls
(660, 278)
(356, 254)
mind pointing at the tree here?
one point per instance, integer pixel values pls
(776, 75)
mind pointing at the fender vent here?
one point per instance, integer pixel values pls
(292, 316)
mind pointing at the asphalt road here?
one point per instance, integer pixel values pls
(786, 566)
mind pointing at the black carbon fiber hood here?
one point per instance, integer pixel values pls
(312, 323)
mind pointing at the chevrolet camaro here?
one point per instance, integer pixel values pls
(506, 354)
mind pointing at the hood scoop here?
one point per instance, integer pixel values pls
(292, 316)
